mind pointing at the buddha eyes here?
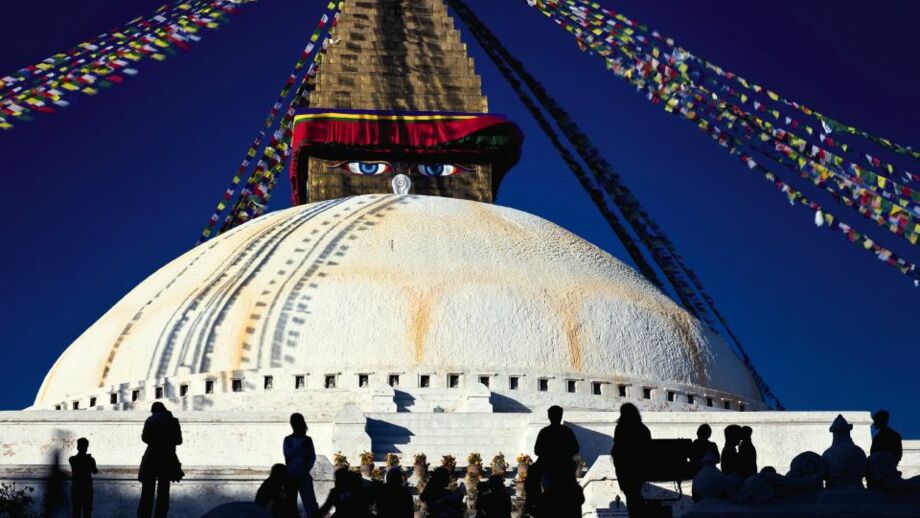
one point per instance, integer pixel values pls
(368, 168)
(437, 169)
(378, 168)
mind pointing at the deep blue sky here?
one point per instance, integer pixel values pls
(105, 192)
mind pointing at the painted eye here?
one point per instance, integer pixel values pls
(368, 168)
(437, 169)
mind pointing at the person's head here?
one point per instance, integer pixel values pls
(440, 477)
(704, 432)
(278, 472)
(629, 414)
(732, 435)
(82, 444)
(298, 424)
(497, 483)
(394, 476)
(881, 418)
(746, 432)
(555, 414)
(157, 408)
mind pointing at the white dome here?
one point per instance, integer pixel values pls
(397, 282)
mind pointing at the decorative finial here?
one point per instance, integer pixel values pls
(401, 184)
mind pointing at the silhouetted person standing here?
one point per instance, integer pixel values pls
(299, 457)
(160, 464)
(701, 446)
(272, 495)
(631, 443)
(395, 497)
(82, 469)
(886, 439)
(747, 454)
(731, 464)
(555, 448)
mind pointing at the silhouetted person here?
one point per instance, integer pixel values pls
(348, 496)
(395, 500)
(886, 439)
(160, 464)
(701, 446)
(555, 447)
(272, 494)
(731, 463)
(747, 453)
(82, 469)
(533, 489)
(441, 501)
(631, 443)
(493, 500)
(299, 457)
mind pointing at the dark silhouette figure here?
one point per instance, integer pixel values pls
(160, 465)
(631, 444)
(747, 454)
(348, 496)
(441, 501)
(299, 457)
(494, 500)
(731, 464)
(395, 498)
(82, 469)
(533, 489)
(54, 487)
(886, 439)
(701, 446)
(272, 494)
(555, 447)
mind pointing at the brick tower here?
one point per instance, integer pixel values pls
(399, 62)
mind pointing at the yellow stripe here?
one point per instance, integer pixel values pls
(369, 116)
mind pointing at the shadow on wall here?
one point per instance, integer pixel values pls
(591, 444)
(387, 437)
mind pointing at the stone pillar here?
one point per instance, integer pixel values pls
(349, 432)
(383, 398)
(477, 399)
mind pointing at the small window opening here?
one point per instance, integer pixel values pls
(237, 385)
(269, 382)
(363, 380)
(543, 384)
(57, 407)
(513, 383)
(596, 388)
(621, 390)
(113, 398)
(299, 382)
(453, 380)
(424, 381)
(570, 386)
(484, 380)
(208, 386)
(646, 393)
(393, 380)
(158, 393)
(671, 396)
(741, 407)
(76, 405)
(727, 405)
(709, 401)
(691, 399)
(135, 395)
(183, 390)
(92, 401)
(330, 381)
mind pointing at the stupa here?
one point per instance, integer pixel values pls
(394, 305)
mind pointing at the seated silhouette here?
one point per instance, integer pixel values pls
(272, 494)
(701, 446)
(493, 500)
(394, 498)
(886, 439)
(631, 449)
(82, 469)
(348, 497)
(442, 502)
(747, 454)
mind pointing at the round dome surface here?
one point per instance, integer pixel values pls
(388, 282)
